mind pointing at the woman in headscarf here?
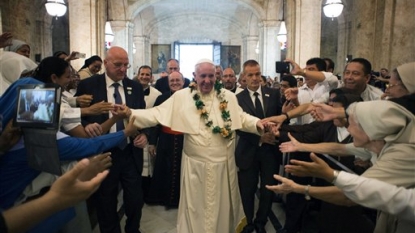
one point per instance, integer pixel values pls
(91, 66)
(19, 47)
(402, 81)
(12, 67)
(387, 129)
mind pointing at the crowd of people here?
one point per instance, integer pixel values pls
(208, 145)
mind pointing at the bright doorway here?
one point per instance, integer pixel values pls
(190, 54)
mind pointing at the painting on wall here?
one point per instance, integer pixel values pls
(160, 54)
(230, 57)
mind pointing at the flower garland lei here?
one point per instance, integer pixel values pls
(225, 131)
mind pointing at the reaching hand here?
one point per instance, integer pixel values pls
(296, 69)
(260, 126)
(140, 141)
(69, 189)
(317, 168)
(324, 112)
(152, 150)
(93, 130)
(286, 186)
(72, 56)
(287, 106)
(276, 119)
(101, 108)
(84, 100)
(5, 39)
(292, 146)
(121, 111)
(9, 137)
(130, 129)
(97, 164)
(268, 138)
(291, 94)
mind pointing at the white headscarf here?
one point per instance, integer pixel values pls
(16, 45)
(12, 65)
(407, 74)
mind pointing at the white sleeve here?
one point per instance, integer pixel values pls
(331, 79)
(359, 152)
(379, 195)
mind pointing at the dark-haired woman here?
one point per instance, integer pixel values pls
(91, 66)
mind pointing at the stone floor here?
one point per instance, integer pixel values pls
(156, 219)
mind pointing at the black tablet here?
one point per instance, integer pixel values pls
(38, 106)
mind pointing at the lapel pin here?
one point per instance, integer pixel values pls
(266, 95)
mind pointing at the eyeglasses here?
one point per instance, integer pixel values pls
(120, 65)
(394, 85)
(228, 76)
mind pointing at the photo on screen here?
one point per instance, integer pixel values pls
(38, 106)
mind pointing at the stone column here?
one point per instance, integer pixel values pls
(141, 56)
(271, 50)
(304, 30)
(123, 37)
(84, 29)
(250, 43)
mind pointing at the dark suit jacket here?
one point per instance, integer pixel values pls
(96, 86)
(248, 143)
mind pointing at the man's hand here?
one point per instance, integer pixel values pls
(296, 69)
(121, 111)
(275, 119)
(5, 39)
(152, 150)
(100, 108)
(287, 106)
(130, 129)
(268, 138)
(291, 146)
(93, 130)
(324, 112)
(72, 56)
(291, 94)
(140, 141)
(84, 100)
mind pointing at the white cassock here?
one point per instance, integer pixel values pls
(210, 200)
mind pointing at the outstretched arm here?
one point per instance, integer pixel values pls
(68, 190)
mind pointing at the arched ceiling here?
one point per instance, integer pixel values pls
(197, 21)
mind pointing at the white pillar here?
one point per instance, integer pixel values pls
(84, 29)
(141, 56)
(270, 49)
(305, 30)
(250, 43)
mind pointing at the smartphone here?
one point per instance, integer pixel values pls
(282, 67)
(80, 55)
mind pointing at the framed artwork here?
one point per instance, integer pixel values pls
(230, 57)
(160, 54)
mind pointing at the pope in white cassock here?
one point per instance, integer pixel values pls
(208, 115)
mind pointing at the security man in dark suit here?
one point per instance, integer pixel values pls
(127, 158)
(257, 156)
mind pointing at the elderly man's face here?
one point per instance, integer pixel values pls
(116, 63)
(176, 81)
(205, 77)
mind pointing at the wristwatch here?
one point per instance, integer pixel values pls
(335, 175)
